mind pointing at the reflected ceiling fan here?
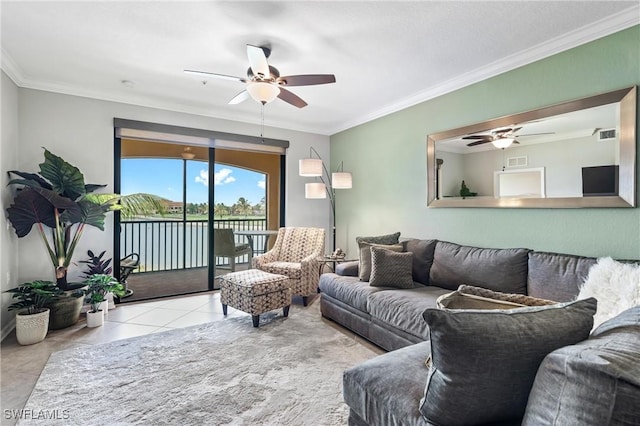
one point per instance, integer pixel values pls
(500, 138)
(264, 83)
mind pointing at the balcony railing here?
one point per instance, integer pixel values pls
(166, 245)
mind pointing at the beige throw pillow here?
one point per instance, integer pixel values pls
(365, 257)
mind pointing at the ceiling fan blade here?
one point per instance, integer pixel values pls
(258, 61)
(306, 80)
(486, 137)
(479, 142)
(213, 75)
(515, 130)
(536, 134)
(291, 98)
(240, 97)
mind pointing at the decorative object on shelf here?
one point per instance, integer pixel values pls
(58, 198)
(314, 167)
(32, 322)
(465, 191)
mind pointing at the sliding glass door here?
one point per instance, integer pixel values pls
(200, 189)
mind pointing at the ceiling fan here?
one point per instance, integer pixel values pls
(264, 83)
(500, 138)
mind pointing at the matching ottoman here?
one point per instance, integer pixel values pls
(255, 292)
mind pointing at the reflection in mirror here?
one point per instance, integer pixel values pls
(576, 154)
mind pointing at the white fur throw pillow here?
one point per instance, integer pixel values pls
(615, 285)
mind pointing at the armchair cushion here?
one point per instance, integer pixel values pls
(292, 270)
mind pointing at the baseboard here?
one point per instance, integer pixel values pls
(8, 328)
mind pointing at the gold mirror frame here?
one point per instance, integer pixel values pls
(627, 168)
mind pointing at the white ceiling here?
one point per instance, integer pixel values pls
(386, 55)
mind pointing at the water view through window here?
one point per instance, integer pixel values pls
(178, 239)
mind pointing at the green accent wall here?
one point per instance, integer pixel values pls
(387, 157)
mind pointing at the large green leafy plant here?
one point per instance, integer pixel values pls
(33, 296)
(58, 198)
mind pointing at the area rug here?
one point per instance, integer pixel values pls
(286, 372)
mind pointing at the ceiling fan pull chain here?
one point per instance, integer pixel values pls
(262, 122)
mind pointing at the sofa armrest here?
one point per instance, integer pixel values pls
(348, 269)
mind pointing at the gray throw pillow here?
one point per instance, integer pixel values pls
(391, 269)
(595, 382)
(364, 271)
(484, 362)
(380, 239)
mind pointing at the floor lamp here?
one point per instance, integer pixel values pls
(314, 167)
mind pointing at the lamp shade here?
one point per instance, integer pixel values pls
(502, 142)
(341, 180)
(263, 92)
(310, 167)
(315, 190)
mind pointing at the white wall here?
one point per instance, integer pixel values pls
(8, 160)
(80, 130)
(562, 160)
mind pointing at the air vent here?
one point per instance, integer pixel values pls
(606, 134)
(517, 161)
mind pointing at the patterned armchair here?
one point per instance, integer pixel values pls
(295, 254)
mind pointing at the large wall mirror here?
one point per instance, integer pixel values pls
(576, 154)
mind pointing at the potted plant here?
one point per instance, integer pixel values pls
(57, 199)
(98, 285)
(99, 265)
(32, 322)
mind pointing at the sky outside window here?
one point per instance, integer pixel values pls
(163, 177)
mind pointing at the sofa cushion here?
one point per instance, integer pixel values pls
(502, 270)
(364, 271)
(384, 390)
(403, 309)
(290, 269)
(595, 382)
(422, 258)
(556, 276)
(489, 359)
(348, 290)
(390, 269)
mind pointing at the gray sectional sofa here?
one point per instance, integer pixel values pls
(388, 389)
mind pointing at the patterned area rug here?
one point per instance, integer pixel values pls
(286, 372)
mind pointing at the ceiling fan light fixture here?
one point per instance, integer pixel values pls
(503, 142)
(263, 92)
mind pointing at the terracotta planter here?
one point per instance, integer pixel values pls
(32, 328)
(95, 319)
(65, 312)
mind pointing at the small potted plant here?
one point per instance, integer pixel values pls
(98, 285)
(32, 322)
(99, 265)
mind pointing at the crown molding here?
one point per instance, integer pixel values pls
(606, 26)
(9, 66)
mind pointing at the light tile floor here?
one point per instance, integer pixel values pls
(21, 365)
